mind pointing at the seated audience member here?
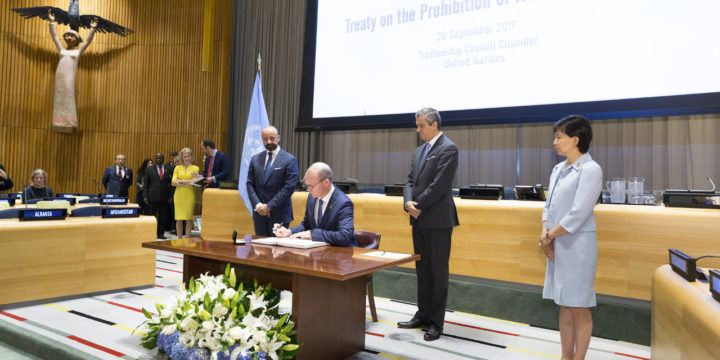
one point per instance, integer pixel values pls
(328, 212)
(37, 189)
(6, 182)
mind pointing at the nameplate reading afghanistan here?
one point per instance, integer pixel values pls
(120, 213)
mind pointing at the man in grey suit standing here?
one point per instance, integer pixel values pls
(428, 200)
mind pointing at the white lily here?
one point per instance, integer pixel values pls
(256, 301)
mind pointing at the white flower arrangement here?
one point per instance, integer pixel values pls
(218, 318)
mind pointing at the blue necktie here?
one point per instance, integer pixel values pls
(319, 218)
(422, 159)
(268, 168)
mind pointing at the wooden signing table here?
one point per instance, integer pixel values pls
(498, 239)
(685, 318)
(48, 259)
(327, 284)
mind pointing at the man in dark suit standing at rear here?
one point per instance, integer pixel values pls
(156, 191)
(272, 177)
(118, 178)
(217, 164)
(428, 199)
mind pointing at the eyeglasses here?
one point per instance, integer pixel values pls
(308, 186)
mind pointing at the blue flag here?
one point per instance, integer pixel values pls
(253, 144)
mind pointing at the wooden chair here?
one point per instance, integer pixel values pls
(369, 240)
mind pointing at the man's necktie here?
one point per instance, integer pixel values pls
(160, 168)
(119, 173)
(422, 159)
(207, 176)
(320, 214)
(268, 166)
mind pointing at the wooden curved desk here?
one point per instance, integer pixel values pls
(685, 318)
(499, 239)
(48, 259)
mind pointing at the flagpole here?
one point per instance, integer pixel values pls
(252, 143)
(259, 65)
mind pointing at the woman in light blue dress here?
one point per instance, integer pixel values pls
(568, 235)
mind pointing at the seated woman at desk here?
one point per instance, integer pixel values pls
(37, 189)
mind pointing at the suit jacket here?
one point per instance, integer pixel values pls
(220, 169)
(114, 185)
(336, 227)
(431, 185)
(276, 190)
(5, 183)
(157, 189)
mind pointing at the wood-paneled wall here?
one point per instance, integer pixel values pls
(138, 95)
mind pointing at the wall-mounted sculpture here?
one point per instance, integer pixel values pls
(64, 110)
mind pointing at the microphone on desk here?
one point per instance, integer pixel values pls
(234, 237)
(98, 186)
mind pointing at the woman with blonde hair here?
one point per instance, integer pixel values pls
(184, 198)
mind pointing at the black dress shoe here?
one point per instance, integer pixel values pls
(413, 323)
(433, 333)
(161, 237)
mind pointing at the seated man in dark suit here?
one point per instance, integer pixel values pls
(118, 178)
(217, 164)
(5, 181)
(328, 212)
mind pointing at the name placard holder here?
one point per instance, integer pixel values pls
(71, 200)
(683, 264)
(42, 214)
(120, 213)
(715, 284)
(11, 195)
(8, 200)
(113, 201)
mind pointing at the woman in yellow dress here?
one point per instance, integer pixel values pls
(184, 193)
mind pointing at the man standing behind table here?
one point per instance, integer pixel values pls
(272, 177)
(328, 212)
(156, 191)
(217, 164)
(118, 178)
(428, 199)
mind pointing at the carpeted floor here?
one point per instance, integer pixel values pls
(101, 327)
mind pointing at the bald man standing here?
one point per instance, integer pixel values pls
(271, 181)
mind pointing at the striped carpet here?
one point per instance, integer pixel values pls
(100, 327)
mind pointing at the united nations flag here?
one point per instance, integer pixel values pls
(257, 120)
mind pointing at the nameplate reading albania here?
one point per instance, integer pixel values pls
(42, 214)
(120, 213)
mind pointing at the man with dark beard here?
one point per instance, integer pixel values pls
(271, 181)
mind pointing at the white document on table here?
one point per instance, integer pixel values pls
(294, 243)
(387, 255)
